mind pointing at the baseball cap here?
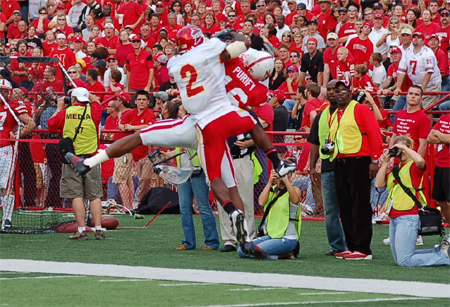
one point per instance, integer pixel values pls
(124, 96)
(332, 35)
(61, 35)
(434, 35)
(81, 94)
(344, 82)
(342, 9)
(280, 95)
(377, 6)
(417, 33)
(77, 39)
(367, 24)
(375, 16)
(445, 12)
(134, 37)
(406, 31)
(312, 39)
(301, 6)
(292, 68)
(161, 58)
(60, 6)
(292, 1)
(159, 3)
(111, 57)
(161, 95)
(129, 27)
(396, 50)
(109, 25)
(312, 21)
(17, 12)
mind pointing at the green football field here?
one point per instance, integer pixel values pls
(140, 267)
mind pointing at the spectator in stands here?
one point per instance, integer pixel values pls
(377, 33)
(357, 143)
(348, 28)
(313, 33)
(317, 137)
(330, 58)
(87, 31)
(73, 73)
(427, 27)
(439, 135)
(281, 117)
(362, 80)
(283, 55)
(112, 121)
(444, 33)
(256, 41)
(90, 9)
(421, 66)
(72, 184)
(326, 20)
(139, 76)
(290, 85)
(283, 222)
(75, 12)
(361, 47)
(135, 120)
(402, 210)
(442, 61)
(312, 93)
(162, 74)
(345, 67)
(312, 62)
(110, 40)
(112, 64)
(378, 71)
(281, 26)
(390, 38)
(62, 53)
(42, 21)
(13, 28)
(278, 76)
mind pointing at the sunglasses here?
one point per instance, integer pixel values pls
(260, 6)
(72, 72)
(286, 35)
(136, 41)
(42, 13)
(294, 56)
(352, 11)
(111, 60)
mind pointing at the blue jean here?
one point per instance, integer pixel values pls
(304, 184)
(273, 247)
(399, 105)
(289, 105)
(445, 87)
(377, 197)
(403, 233)
(197, 187)
(104, 117)
(335, 234)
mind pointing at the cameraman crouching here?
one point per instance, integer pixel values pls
(81, 115)
(404, 214)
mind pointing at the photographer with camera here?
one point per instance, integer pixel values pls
(79, 120)
(401, 208)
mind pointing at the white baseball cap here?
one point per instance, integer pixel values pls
(61, 35)
(81, 94)
(332, 35)
(109, 25)
(406, 31)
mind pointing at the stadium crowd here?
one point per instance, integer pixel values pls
(377, 51)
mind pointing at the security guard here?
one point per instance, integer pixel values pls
(80, 121)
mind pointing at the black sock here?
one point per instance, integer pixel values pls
(273, 156)
(228, 206)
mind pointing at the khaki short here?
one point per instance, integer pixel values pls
(123, 169)
(428, 100)
(75, 186)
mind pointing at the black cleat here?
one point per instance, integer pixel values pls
(77, 163)
(239, 226)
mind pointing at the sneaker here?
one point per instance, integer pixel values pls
(286, 167)
(99, 234)
(357, 256)
(341, 255)
(228, 249)
(239, 226)
(445, 247)
(81, 236)
(387, 241)
(251, 248)
(331, 253)
(419, 241)
(7, 223)
(77, 163)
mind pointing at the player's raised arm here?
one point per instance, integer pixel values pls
(239, 45)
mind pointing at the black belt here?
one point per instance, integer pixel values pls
(345, 160)
(239, 156)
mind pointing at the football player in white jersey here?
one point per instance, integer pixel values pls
(199, 74)
(421, 65)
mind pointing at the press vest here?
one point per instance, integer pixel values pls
(324, 130)
(86, 141)
(280, 216)
(401, 200)
(191, 153)
(345, 133)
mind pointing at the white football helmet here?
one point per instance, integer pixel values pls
(259, 64)
(5, 84)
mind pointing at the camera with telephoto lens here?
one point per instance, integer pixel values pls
(328, 147)
(393, 152)
(67, 100)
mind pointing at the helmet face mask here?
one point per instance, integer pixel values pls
(189, 37)
(5, 88)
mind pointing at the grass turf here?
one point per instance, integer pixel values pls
(155, 246)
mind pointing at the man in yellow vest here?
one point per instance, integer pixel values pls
(318, 134)
(73, 185)
(355, 143)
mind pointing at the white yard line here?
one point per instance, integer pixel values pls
(320, 302)
(421, 289)
(39, 277)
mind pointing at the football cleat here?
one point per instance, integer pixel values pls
(239, 226)
(251, 248)
(77, 163)
(286, 167)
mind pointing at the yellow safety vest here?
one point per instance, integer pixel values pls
(324, 130)
(192, 152)
(279, 216)
(86, 141)
(401, 200)
(345, 134)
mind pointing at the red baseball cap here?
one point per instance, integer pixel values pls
(60, 6)
(434, 35)
(445, 12)
(312, 39)
(395, 50)
(416, 33)
(292, 68)
(124, 96)
(280, 95)
(378, 16)
(367, 24)
(110, 57)
(78, 39)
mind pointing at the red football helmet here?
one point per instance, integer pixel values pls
(189, 37)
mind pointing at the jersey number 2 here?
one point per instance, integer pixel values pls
(2, 119)
(189, 71)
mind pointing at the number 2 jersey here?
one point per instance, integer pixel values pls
(242, 90)
(200, 77)
(418, 65)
